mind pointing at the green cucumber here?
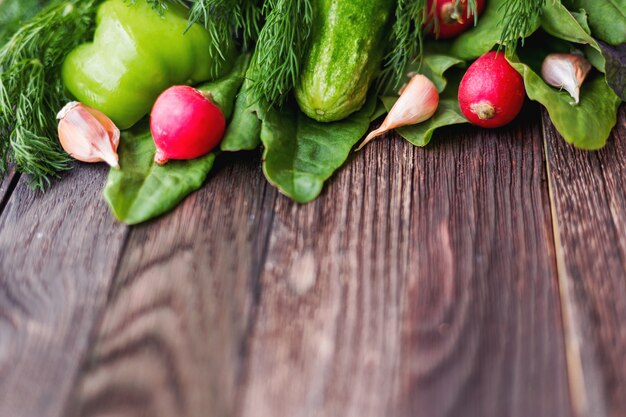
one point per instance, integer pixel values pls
(347, 48)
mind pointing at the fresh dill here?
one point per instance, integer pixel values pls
(226, 19)
(407, 40)
(280, 49)
(413, 18)
(31, 91)
(520, 16)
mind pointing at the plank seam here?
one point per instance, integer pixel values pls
(573, 357)
(10, 188)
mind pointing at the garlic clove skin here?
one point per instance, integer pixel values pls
(88, 135)
(566, 71)
(418, 101)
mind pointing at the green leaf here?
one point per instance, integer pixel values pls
(557, 21)
(615, 68)
(476, 41)
(434, 66)
(301, 154)
(224, 90)
(142, 190)
(607, 18)
(244, 130)
(587, 125)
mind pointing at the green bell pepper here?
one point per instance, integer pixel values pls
(137, 54)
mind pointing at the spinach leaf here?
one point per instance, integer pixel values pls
(244, 130)
(557, 21)
(142, 190)
(482, 38)
(587, 125)
(300, 153)
(448, 113)
(607, 18)
(615, 67)
(224, 90)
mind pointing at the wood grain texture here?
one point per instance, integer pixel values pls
(422, 283)
(589, 202)
(174, 336)
(7, 185)
(58, 253)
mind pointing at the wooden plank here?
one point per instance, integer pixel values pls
(423, 283)
(175, 331)
(588, 190)
(58, 253)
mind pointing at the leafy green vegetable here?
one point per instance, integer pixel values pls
(607, 18)
(587, 125)
(244, 130)
(615, 67)
(224, 90)
(31, 91)
(557, 21)
(300, 153)
(448, 113)
(142, 190)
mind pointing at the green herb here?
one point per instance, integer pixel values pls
(225, 19)
(280, 49)
(407, 38)
(31, 91)
(158, 5)
(519, 17)
(14, 12)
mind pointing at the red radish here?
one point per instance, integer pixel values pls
(452, 17)
(491, 92)
(185, 124)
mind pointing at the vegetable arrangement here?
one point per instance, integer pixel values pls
(304, 79)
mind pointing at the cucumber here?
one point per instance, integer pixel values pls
(347, 47)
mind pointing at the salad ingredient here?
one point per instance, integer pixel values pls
(450, 18)
(301, 153)
(280, 49)
(588, 125)
(135, 55)
(615, 68)
(418, 102)
(244, 130)
(520, 18)
(87, 134)
(185, 124)
(567, 71)
(491, 93)
(142, 190)
(225, 19)
(346, 52)
(31, 93)
(607, 19)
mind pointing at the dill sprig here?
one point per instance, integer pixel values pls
(31, 91)
(280, 49)
(159, 6)
(225, 19)
(407, 40)
(520, 16)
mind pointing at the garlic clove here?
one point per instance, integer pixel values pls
(566, 71)
(418, 101)
(88, 135)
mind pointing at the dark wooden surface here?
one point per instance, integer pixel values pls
(484, 275)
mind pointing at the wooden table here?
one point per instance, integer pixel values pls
(484, 275)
